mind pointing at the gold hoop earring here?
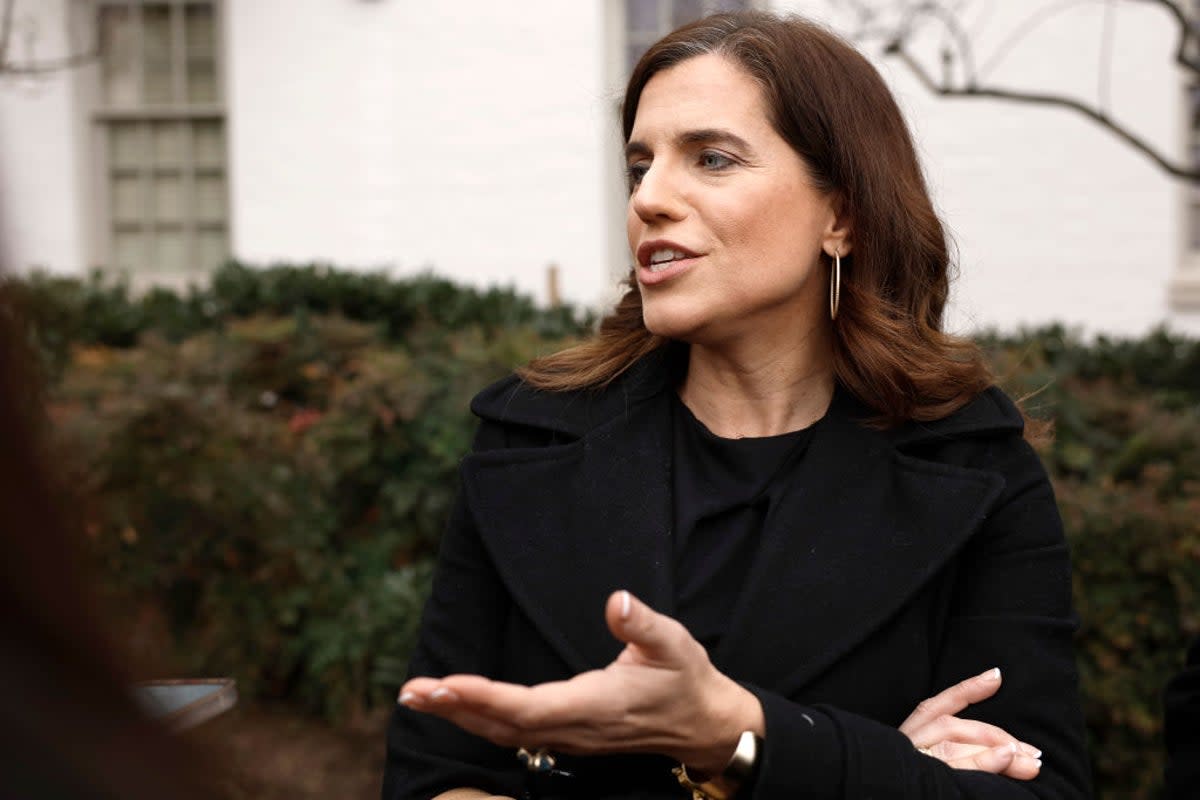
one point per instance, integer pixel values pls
(835, 284)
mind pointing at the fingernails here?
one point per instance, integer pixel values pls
(1030, 750)
(406, 698)
(992, 674)
(626, 604)
(442, 693)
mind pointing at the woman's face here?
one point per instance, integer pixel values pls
(723, 221)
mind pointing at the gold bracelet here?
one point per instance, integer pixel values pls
(736, 772)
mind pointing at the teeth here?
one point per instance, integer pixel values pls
(662, 256)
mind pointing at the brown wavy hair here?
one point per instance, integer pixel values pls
(827, 101)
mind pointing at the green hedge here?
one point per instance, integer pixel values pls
(267, 463)
(1125, 461)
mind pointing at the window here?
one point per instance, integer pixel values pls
(647, 21)
(162, 123)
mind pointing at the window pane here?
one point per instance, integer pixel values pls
(127, 149)
(201, 54)
(208, 145)
(211, 248)
(198, 20)
(642, 15)
(168, 198)
(170, 252)
(202, 82)
(685, 11)
(168, 144)
(157, 54)
(128, 200)
(210, 198)
(129, 249)
(117, 57)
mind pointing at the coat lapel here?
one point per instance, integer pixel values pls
(567, 525)
(861, 529)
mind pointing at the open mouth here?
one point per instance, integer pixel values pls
(661, 259)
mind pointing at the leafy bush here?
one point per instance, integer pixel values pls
(66, 312)
(267, 467)
(268, 462)
(1125, 460)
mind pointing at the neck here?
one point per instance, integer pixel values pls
(752, 388)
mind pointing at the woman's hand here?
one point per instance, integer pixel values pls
(661, 695)
(470, 794)
(968, 743)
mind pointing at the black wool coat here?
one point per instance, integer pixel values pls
(897, 564)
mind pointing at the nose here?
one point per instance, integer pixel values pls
(656, 196)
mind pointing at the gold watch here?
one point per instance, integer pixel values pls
(739, 770)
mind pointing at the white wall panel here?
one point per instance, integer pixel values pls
(464, 137)
(469, 138)
(41, 202)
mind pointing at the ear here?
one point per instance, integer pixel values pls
(838, 237)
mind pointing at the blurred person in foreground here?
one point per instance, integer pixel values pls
(69, 726)
(1181, 729)
(735, 539)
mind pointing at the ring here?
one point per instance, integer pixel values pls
(537, 760)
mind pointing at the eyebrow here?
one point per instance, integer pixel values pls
(701, 136)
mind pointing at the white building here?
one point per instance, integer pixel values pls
(479, 139)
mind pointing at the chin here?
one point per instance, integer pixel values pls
(672, 323)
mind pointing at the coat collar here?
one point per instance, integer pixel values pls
(573, 414)
(862, 529)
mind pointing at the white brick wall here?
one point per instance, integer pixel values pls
(469, 138)
(466, 137)
(1054, 218)
(41, 151)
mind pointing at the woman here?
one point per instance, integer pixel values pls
(69, 726)
(812, 506)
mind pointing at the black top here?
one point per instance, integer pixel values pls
(568, 496)
(723, 491)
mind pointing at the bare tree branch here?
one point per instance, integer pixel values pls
(6, 29)
(1187, 34)
(953, 26)
(1104, 68)
(1028, 26)
(50, 65)
(46, 66)
(896, 44)
(1177, 169)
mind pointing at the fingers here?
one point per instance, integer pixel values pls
(657, 637)
(955, 729)
(949, 751)
(1006, 760)
(588, 698)
(953, 700)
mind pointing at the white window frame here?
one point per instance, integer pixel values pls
(104, 115)
(1183, 291)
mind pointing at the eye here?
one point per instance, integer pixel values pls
(715, 161)
(635, 172)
